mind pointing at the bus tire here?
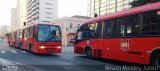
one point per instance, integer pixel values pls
(88, 52)
(30, 48)
(20, 46)
(9, 44)
(13, 45)
(155, 59)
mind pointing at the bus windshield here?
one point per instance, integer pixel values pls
(48, 33)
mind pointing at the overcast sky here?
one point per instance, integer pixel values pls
(66, 8)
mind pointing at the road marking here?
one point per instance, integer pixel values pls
(24, 51)
(3, 51)
(13, 51)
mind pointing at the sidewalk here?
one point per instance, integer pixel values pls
(3, 43)
(7, 65)
(67, 48)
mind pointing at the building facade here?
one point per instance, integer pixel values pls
(4, 29)
(41, 11)
(69, 26)
(103, 7)
(14, 19)
(21, 13)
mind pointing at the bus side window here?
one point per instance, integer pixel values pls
(88, 31)
(129, 26)
(25, 33)
(79, 35)
(122, 26)
(20, 33)
(98, 30)
(108, 28)
(151, 23)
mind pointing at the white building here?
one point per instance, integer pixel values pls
(4, 29)
(103, 7)
(41, 11)
(69, 26)
(21, 13)
(14, 20)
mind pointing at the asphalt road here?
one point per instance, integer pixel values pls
(12, 59)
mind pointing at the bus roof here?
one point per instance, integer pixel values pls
(51, 24)
(39, 24)
(131, 11)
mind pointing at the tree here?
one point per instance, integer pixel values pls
(136, 3)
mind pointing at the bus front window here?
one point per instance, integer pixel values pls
(48, 33)
(79, 36)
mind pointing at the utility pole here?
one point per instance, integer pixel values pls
(5, 29)
(116, 5)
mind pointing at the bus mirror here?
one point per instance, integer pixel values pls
(158, 13)
(6, 34)
(35, 30)
(79, 35)
(35, 35)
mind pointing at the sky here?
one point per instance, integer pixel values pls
(65, 8)
(72, 7)
(5, 11)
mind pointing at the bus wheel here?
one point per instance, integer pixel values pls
(30, 49)
(13, 45)
(9, 44)
(20, 46)
(156, 60)
(88, 52)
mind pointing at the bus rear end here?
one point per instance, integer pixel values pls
(48, 39)
(9, 39)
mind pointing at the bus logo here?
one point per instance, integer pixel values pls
(124, 45)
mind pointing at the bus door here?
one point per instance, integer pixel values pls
(119, 45)
(97, 41)
(30, 37)
(134, 45)
(129, 29)
(107, 38)
(25, 39)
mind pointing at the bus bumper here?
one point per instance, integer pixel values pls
(48, 50)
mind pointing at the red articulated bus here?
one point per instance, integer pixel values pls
(9, 39)
(132, 36)
(39, 39)
(14, 39)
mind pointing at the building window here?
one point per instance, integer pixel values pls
(45, 21)
(71, 26)
(48, 13)
(49, 8)
(49, 17)
(78, 26)
(48, 3)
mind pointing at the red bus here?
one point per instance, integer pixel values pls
(39, 39)
(12, 39)
(9, 39)
(132, 36)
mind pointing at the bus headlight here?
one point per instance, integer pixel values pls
(58, 47)
(42, 47)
